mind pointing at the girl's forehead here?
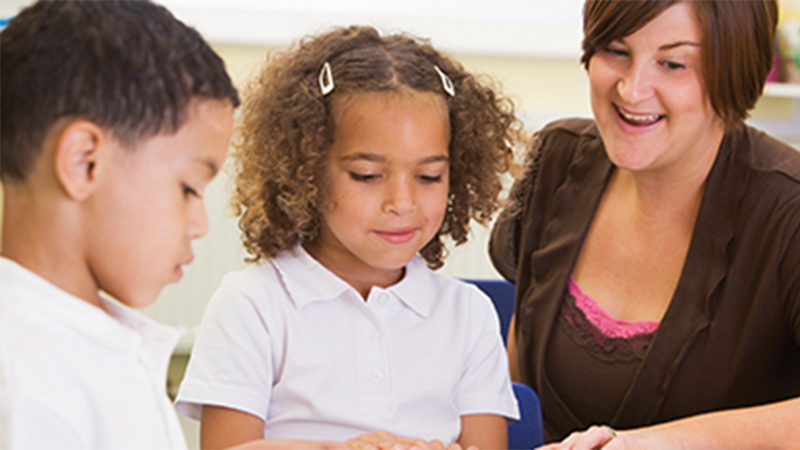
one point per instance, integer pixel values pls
(401, 96)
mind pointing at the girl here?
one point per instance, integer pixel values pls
(357, 153)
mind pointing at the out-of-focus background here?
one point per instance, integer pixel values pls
(530, 47)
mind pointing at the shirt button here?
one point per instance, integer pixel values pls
(383, 298)
(374, 334)
(377, 376)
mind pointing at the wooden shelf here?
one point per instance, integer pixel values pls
(786, 90)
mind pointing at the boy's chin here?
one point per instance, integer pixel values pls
(141, 298)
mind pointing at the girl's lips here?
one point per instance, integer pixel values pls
(397, 236)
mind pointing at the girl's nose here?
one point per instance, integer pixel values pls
(399, 198)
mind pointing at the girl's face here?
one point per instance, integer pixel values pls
(387, 183)
(649, 99)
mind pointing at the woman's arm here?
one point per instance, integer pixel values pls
(484, 431)
(776, 425)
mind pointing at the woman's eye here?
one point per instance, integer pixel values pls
(672, 65)
(363, 177)
(616, 51)
(187, 190)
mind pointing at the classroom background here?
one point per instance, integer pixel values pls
(530, 47)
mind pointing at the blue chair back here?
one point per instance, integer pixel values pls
(528, 431)
(502, 294)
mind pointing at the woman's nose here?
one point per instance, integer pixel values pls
(635, 83)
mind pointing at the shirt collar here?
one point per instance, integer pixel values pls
(308, 281)
(122, 330)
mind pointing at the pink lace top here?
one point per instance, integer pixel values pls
(592, 358)
(604, 322)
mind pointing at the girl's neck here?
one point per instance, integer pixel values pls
(358, 275)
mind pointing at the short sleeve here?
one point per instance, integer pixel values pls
(485, 385)
(231, 363)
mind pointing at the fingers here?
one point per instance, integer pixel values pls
(273, 444)
(382, 440)
(595, 437)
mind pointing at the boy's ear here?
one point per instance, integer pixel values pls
(78, 154)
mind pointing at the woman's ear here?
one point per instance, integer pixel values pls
(79, 155)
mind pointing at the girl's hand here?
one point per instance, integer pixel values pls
(291, 445)
(383, 440)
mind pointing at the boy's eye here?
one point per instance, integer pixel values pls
(364, 177)
(187, 190)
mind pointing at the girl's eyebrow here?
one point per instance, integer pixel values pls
(378, 158)
(365, 156)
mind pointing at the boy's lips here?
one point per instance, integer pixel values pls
(179, 268)
(398, 236)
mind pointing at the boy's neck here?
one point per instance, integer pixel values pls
(41, 239)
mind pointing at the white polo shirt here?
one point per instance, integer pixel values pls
(288, 341)
(72, 376)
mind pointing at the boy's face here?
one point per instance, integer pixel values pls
(150, 207)
(388, 181)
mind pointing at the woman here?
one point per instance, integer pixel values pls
(656, 249)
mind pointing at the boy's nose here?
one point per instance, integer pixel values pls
(198, 221)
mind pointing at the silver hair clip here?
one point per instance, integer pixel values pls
(447, 83)
(326, 79)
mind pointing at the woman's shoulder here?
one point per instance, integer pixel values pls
(564, 139)
(771, 155)
(576, 126)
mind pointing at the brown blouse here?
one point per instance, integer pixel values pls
(731, 335)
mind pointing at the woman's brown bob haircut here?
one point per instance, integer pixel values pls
(286, 127)
(737, 47)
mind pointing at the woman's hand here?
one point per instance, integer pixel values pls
(606, 438)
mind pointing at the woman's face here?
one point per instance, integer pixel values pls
(649, 99)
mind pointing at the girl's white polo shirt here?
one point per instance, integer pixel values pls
(288, 341)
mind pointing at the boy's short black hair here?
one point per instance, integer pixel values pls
(129, 66)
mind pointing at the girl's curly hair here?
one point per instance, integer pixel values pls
(286, 126)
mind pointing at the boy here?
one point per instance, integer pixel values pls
(115, 116)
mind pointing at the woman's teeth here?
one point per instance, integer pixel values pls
(649, 118)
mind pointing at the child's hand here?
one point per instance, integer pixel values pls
(273, 444)
(383, 440)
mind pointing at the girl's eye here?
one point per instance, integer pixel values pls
(187, 190)
(363, 177)
(669, 65)
(431, 178)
